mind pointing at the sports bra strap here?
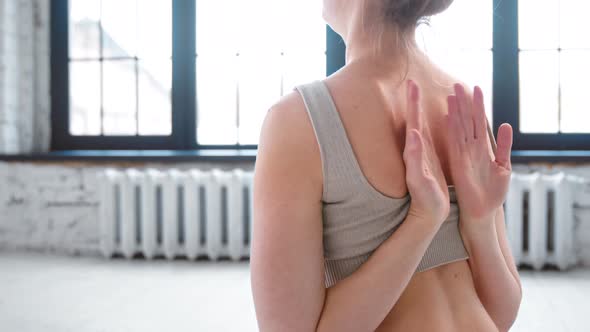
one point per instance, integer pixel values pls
(340, 166)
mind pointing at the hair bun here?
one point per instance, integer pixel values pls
(407, 13)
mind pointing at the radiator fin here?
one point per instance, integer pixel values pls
(174, 213)
(540, 219)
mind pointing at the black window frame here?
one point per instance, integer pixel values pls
(183, 13)
(506, 87)
(505, 53)
(184, 108)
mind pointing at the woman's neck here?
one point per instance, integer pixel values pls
(385, 48)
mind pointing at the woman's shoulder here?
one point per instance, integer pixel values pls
(287, 140)
(287, 116)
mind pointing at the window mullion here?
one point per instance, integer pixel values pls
(183, 74)
(335, 52)
(506, 77)
(60, 117)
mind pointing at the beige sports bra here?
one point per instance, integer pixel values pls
(356, 217)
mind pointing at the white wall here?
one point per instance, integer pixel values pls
(55, 207)
(24, 76)
(48, 207)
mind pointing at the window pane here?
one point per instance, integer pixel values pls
(260, 87)
(85, 98)
(474, 67)
(298, 68)
(217, 87)
(296, 37)
(258, 27)
(574, 24)
(265, 51)
(119, 23)
(154, 97)
(575, 109)
(154, 29)
(119, 97)
(213, 26)
(539, 80)
(538, 24)
(443, 28)
(468, 58)
(84, 29)
(136, 74)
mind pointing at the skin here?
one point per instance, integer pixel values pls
(408, 136)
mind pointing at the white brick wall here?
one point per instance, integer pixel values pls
(55, 207)
(48, 208)
(24, 76)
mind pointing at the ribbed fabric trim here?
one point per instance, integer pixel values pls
(446, 247)
(337, 270)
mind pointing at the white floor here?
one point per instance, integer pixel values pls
(51, 294)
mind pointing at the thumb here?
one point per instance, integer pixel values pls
(504, 142)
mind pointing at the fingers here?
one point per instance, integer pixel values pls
(504, 141)
(465, 112)
(457, 136)
(414, 142)
(471, 117)
(414, 116)
(479, 114)
(414, 150)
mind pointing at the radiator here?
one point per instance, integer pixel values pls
(540, 219)
(195, 214)
(192, 214)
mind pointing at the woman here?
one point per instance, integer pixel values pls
(338, 243)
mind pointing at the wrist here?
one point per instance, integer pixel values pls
(479, 234)
(432, 216)
(476, 226)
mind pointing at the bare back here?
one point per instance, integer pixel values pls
(287, 249)
(373, 111)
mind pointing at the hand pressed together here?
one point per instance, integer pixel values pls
(424, 177)
(480, 175)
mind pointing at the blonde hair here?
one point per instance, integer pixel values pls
(407, 14)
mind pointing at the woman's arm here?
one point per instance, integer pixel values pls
(481, 175)
(287, 262)
(494, 272)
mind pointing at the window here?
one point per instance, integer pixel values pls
(248, 60)
(470, 56)
(190, 74)
(542, 49)
(552, 100)
(177, 74)
(120, 67)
